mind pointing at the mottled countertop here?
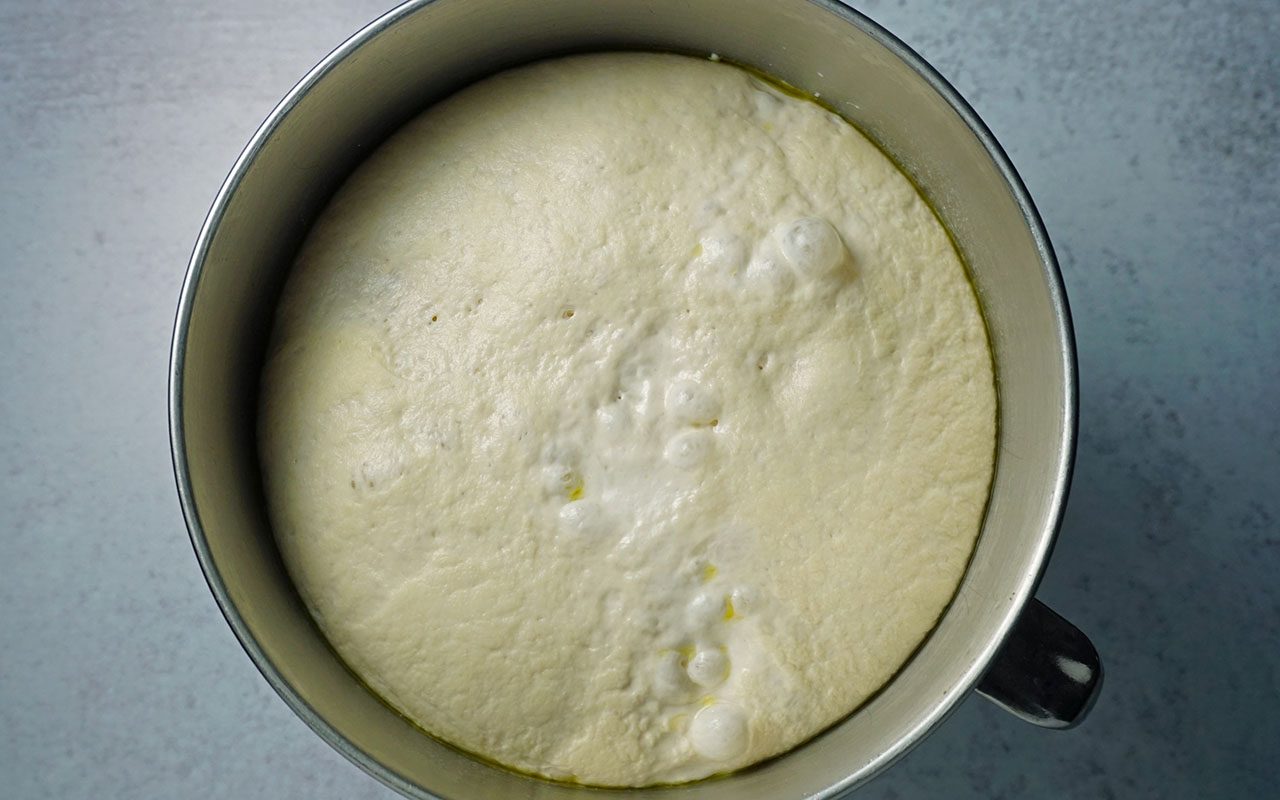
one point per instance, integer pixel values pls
(1148, 134)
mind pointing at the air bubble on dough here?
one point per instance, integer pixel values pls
(720, 732)
(689, 449)
(766, 275)
(708, 667)
(559, 479)
(670, 680)
(811, 246)
(723, 253)
(378, 472)
(704, 610)
(584, 518)
(745, 600)
(689, 402)
(613, 420)
(559, 452)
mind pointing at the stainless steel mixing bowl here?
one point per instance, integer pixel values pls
(994, 636)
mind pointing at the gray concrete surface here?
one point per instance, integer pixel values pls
(1147, 132)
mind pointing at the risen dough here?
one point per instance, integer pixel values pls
(627, 420)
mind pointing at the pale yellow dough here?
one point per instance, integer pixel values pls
(627, 421)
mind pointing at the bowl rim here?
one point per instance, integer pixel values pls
(1061, 480)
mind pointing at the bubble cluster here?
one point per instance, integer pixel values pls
(667, 427)
(806, 250)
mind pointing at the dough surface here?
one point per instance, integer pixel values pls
(627, 420)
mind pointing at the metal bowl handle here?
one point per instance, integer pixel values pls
(1047, 672)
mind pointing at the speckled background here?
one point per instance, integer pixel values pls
(1147, 132)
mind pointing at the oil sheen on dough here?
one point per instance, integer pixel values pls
(626, 420)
